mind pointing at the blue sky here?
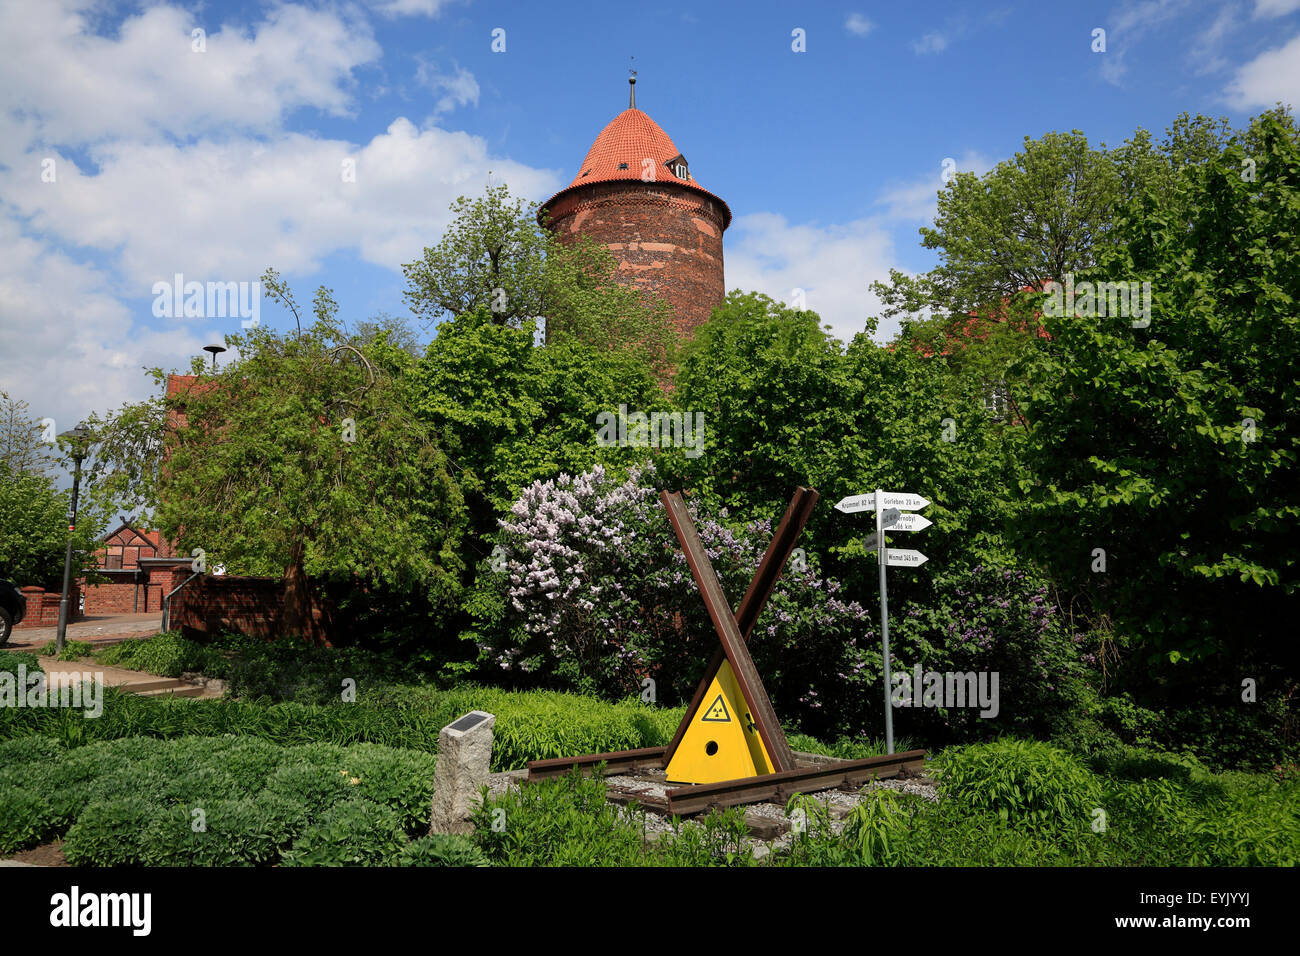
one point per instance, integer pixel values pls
(217, 163)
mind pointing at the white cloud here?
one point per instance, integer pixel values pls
(1265, 9)
(916, 200)
(224, 211)
(1126, 27)
(70, 346)
(930, 43)
(408, 8)
(858, 25)
(834, 265)
(457, 89)
(1271, 77)
(1205, 55)
(76, 87)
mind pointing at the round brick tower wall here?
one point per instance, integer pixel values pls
(667, 239)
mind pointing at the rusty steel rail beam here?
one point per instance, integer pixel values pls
(651, 758)
(780, 786)
(778, 552)
(769, 571)
(724, 622)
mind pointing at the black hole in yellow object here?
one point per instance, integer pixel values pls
(711, 748)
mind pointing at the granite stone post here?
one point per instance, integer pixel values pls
(464, 756)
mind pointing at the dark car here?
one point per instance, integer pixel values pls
(13, 607)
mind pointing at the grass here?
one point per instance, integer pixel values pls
(72, 650)
(530, 725)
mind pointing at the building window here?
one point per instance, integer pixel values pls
(679, 167)
(996, 399)
(622, 165)
(114, 562)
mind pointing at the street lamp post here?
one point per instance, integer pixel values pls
(78, 437)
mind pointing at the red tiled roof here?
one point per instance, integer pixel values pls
(973, 329)
(631, 137)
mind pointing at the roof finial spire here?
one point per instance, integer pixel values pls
(631, 80)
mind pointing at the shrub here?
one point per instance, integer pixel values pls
(314, 786)
(167, 654)
(356, 832)
(597, 593)
(993, 617)
(26, 819)
(241, 832)
(560, 822)
(109, 833)
(1030, 784)
(442, 849)
(10, 661)
(72, 650)
(17, 753)
(400, 780)
(288, 671)
(877, 827)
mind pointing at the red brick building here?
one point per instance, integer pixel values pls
(636, 194)
(141, 571)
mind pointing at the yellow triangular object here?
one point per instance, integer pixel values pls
(721, 742)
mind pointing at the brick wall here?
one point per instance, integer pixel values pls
(123, 595)
(215, 603)
(43, 607)
(667, 239)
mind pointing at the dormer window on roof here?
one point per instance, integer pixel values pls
(678, 167)
(622, 165)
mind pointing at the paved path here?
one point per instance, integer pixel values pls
(136, 682)
(98, 629)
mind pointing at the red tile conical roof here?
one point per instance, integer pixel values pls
(629, 139)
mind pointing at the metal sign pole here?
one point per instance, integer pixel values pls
(883, 553)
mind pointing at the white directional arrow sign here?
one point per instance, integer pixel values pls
(856, 503)
(904, 558)
(902, 499)
(907, 521)
(890, 499)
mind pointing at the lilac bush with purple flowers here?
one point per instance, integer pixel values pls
(994, 616)
(597, 596)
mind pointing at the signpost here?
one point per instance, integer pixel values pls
(904, 558)
(893, 513)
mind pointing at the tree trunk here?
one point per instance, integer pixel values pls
(296, 620)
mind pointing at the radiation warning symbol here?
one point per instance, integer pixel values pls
(721, 741)
(717, 712)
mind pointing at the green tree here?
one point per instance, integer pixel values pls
(34, 516)
(770, 385)
(301, 458)
(1173, 448)
(492, 255)
(510, 413)
(1042, 213)
(1048, 211)
(496, 257)
(21, 448)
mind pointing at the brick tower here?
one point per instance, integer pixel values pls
(635, 193)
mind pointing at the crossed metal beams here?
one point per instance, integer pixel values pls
(734, 631)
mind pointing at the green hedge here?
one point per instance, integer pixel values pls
(205, 801)
(530, 725)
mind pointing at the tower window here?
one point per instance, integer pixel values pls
(622, 165)
(678, 167)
